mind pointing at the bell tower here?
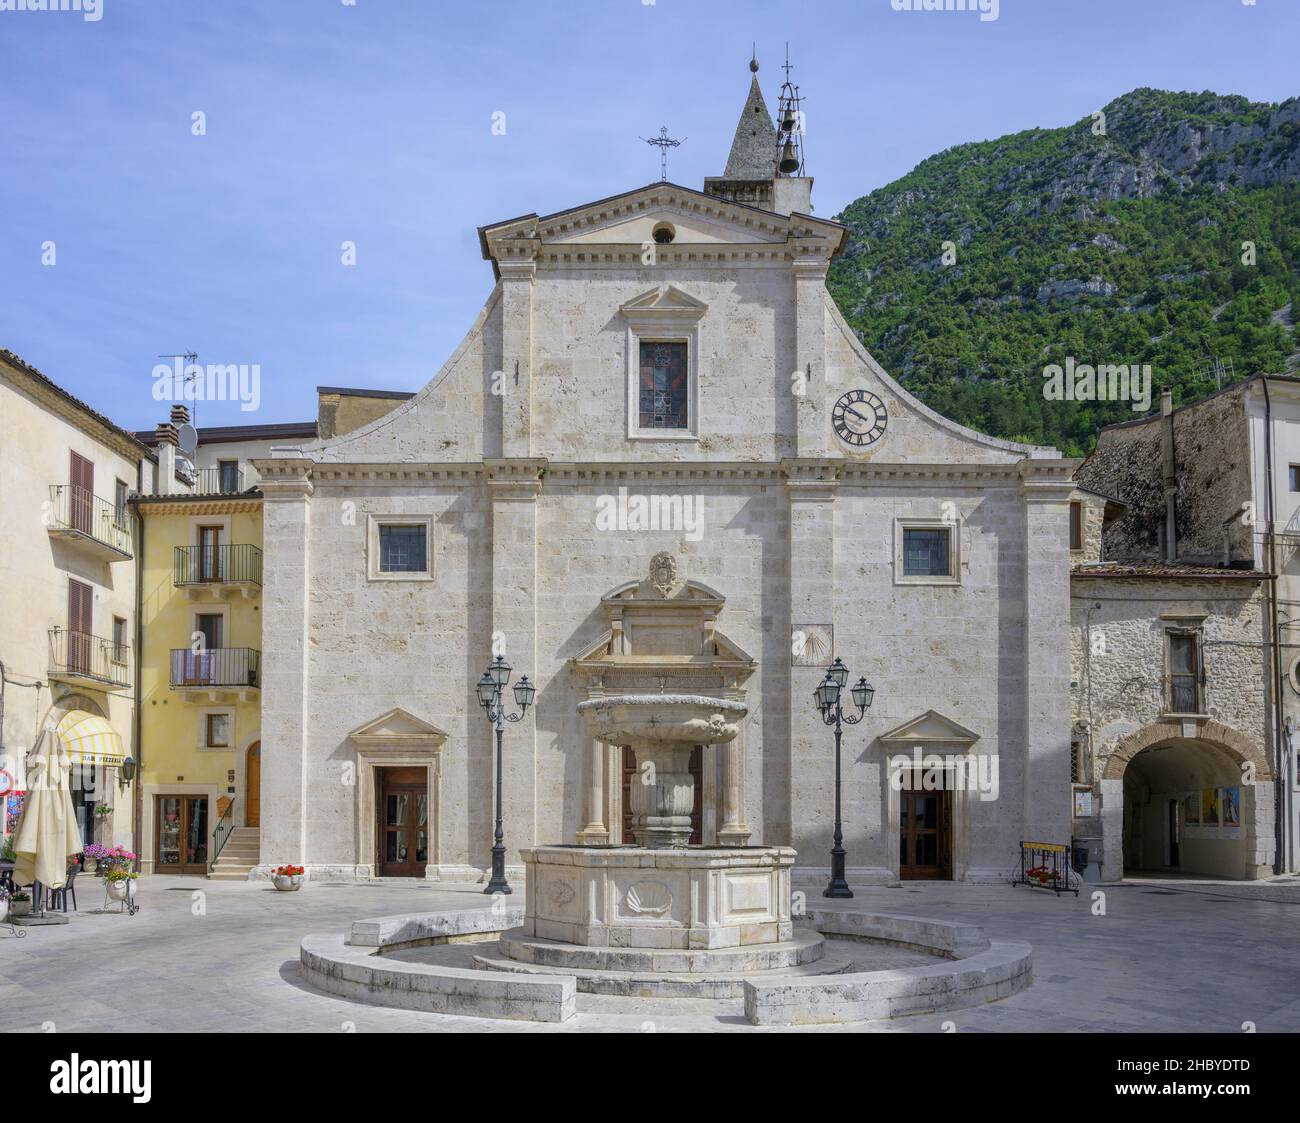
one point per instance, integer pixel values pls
(765, 165)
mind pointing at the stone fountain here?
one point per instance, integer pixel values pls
(660, 918)
(659, 893)
(661, 681)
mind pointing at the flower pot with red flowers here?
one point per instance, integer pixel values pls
(1042, 876)
(287, 879)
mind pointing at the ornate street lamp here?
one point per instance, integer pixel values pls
(489, 690)
(827, 696)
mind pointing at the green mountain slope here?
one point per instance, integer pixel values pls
(1124, 247)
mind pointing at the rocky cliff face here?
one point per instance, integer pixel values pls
(1165, 229)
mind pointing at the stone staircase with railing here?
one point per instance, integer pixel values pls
(240, 854)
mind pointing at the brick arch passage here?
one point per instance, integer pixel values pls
(1223, 737)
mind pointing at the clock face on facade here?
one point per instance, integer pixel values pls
(859, 418)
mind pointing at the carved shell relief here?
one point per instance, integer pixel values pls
(649, 898)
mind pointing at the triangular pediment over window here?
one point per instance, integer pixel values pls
(398, 729)
(930, 730)
(664, 301)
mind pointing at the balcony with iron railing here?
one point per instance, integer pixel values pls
(212, 671)
(79, 659)
(224, 479)
(98, 527)
(218, 570)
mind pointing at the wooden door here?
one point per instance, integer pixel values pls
(80, 622)
(403, 845)
(253, 786)
(924, 835)
(697, 807)
(181, 834)
(81, 492)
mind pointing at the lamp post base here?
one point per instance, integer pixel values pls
(838, 886)
(498, 882)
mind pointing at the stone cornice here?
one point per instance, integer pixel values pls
(515, 478)
(1047, 481)
(285, 477)
(1045, 478)
(397, 474)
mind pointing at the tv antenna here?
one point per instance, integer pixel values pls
(191, 359)
(663, 142)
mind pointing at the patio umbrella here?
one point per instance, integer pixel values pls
(47, 832)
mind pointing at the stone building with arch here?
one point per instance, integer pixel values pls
(1171, 722)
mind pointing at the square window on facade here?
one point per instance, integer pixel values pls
(664, 386)
(403, 549)
(927, 553)
(216, 732)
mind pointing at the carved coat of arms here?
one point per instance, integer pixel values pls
(663, 573)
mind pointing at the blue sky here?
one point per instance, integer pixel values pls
(372, 123)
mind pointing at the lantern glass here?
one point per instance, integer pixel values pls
(500, 670)
(524, 691)
(862, 694)
(826, 693)
(128, 770)
(487, 690)
(839, 672)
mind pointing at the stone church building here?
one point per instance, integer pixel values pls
(660, 461)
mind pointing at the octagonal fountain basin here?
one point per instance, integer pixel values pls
(650, 720)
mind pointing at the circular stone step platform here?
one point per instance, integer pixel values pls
(803, 947)
(819, 958)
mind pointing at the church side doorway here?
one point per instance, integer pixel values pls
(924, 833)
(403, 844)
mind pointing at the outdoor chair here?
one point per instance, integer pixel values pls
(58, 898)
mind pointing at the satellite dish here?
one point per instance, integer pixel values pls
(187, 441)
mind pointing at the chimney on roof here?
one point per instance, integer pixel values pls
(165, 446)
(180, 415)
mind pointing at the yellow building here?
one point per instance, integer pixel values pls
(200, 666)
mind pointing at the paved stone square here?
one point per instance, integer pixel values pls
(1167, 956)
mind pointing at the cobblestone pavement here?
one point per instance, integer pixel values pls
(223, 956)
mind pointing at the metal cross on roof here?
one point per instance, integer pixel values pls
(663, 142)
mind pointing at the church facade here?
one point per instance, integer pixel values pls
(660, 460)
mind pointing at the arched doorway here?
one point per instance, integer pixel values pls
(253, 786)
(1187, 799)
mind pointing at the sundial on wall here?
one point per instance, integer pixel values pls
(859, 418)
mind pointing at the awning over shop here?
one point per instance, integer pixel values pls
(90, 739)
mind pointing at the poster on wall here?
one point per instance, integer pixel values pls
(1210, 807)
(13, 810)
(1083, 803)
(1192, 809)
(1231, 805)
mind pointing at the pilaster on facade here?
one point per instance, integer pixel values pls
(1046, 487)
(286, 710)
(513, 486)
(515, 380)
(812, 437)
(810, 485)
